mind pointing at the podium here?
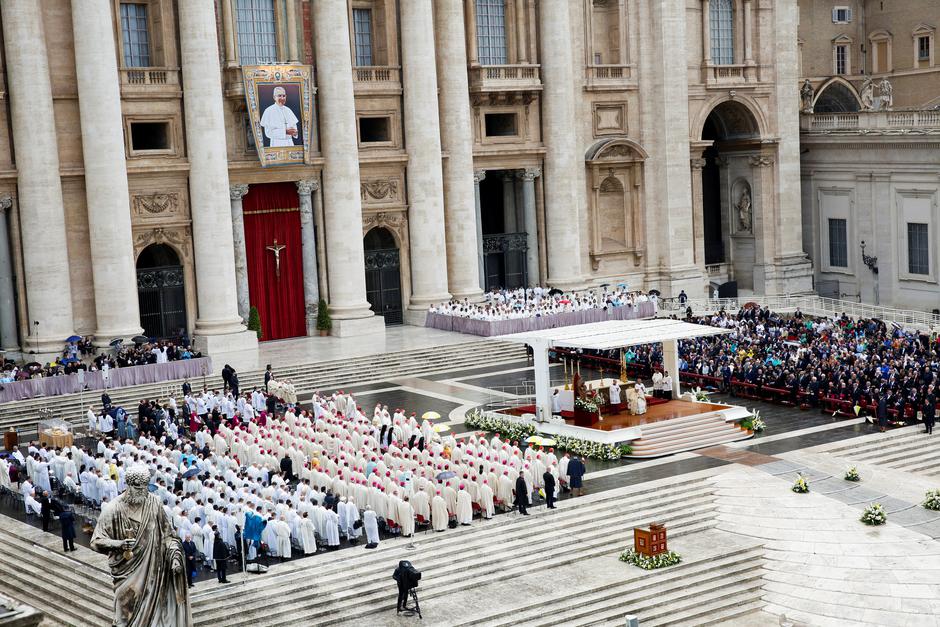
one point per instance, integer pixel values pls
(10, 440)
(650, 541)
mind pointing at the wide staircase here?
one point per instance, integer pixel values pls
(908, 449)
(306, 378)
(686, 434)
(353, 586)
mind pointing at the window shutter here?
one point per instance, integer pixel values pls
(848, 15)
(835, 16)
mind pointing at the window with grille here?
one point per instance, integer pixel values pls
(842, 59)
(923, 48)
(838, 243)
(257, 38)
(841, 15)
(362, 31)
(918, 251)
(491, 32)
(721, 26)
(135, 34)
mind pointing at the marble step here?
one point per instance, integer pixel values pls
(433, 561)
(10, 540)
(726, 604)
(656, 607)
(497, 530)
(790, 600)
(872, 445)
(728, 615)
(689, 432)
(535, 535)
(640, 450)
(923, 457)
(894, 452)
(54, 591)
(639, 588)
(673, 423)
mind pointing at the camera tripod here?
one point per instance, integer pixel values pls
(411, 611)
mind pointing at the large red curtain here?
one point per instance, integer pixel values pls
(272, 212)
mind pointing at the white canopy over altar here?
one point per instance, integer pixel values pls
(607, 335)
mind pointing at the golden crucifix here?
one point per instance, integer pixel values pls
(276, 249)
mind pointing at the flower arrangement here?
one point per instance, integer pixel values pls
(874, 514)
(510, 429)
(800, 486)
(701, 395)
(932, 500)
(585, 404)
(852, 474)
(755, 423)
(586, 448)
(646, 562)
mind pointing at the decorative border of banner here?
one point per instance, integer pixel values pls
(257, 75)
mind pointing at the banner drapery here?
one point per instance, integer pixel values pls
(272, 221)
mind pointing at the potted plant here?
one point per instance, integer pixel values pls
(324, 322)
(254, 321)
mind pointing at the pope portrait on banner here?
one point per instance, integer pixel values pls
(279, 122)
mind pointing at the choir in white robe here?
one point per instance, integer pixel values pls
(308, 540)
(371, 524)
(464, 508)
(439, 517)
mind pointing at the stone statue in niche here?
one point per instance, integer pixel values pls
(806, 96)
(887, 94)
(868, 95)
(745, 212)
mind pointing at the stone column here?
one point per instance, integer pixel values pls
(8, 339)
(292, 53)
(509, 204)
(424, 175)
(471, 32)
(478, 176)
(461, 220)
(42, 214)
(309, 243)
(563, 158)
(218, 325)
(522, 54)
(236, 194)
(323, 287)
(698, 212)
(748, 39)
(228, 30)
(108, 203)
(706, 33)
(342, 205)
(528, 177)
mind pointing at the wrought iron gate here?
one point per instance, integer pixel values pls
(383, 283)
(504, 260)
(162, 299)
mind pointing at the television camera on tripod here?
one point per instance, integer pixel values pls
(407, 577)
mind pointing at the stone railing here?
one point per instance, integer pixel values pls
(609, 76)
(149, 78)
(875, 122)
(505, 77)
(376, 77)
(725, 74)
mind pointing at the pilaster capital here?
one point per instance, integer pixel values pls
(478, 175)
(237, 191)
(761, 161)
(529, 174)
(6, 202)
(697, 164)
(307, 186)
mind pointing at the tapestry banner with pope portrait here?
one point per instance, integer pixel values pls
(280, 111)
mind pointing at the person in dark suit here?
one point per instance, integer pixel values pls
(268, 373)
(233, 383)
(105, 401)
(67, 522)
(45, 510)
(548, 479)
(930, 410)
(287, 468)
(522, 495)
(220, 555)
(576, 472)
(189, 550)
(187, 388)
(882, 411)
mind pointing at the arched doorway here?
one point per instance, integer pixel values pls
(732, 135)
(161, 293)
(383, 274)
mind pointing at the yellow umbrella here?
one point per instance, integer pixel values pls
(440, 428)
(534, 439)
(548, 442)
(430, 415)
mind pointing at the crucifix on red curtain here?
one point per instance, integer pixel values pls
(276, 249)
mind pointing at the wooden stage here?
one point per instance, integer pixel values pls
(654, 413)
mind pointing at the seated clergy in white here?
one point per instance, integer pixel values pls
(279, 122)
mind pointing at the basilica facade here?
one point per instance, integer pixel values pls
(454, 146)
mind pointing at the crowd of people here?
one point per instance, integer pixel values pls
(253, 473)
(79, 356)
(535, 302)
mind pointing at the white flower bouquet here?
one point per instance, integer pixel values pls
(800, 486)
(585, 404)
(586, 448)
(509, 429)
(874, 514)
(646, 562)
(852, 474)
(932, 500)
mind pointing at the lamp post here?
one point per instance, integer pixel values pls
(872, 263)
